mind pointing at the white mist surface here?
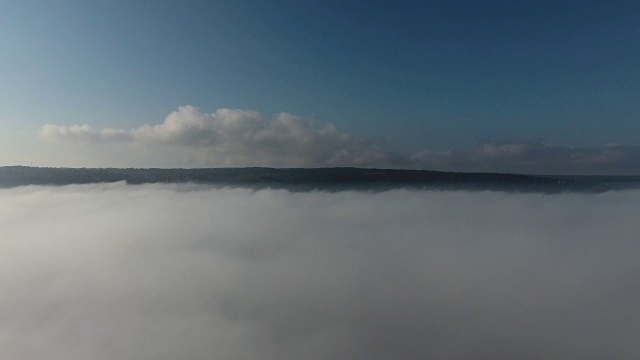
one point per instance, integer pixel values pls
(186, 272)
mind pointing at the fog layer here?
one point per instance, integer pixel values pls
(185, 272)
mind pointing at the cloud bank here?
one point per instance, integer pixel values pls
(239, 137)
(231, 137)
(184, 272)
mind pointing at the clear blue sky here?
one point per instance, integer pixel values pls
(408, 75)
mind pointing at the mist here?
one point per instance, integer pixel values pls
(115, 271)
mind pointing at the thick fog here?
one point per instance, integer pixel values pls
(186, 272)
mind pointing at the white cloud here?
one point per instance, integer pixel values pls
(166, 272)
(231, 137)
(239, 137)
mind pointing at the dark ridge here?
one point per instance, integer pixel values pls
(329, 179)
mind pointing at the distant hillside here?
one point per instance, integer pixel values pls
(331, 179)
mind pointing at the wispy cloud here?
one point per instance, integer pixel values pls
(535, 157)
(166, 272)
(82, 133)
(232, 137)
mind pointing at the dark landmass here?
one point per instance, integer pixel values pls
(328, 179)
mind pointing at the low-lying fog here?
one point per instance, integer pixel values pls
(185, 272)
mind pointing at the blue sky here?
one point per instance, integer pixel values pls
(432, 83)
